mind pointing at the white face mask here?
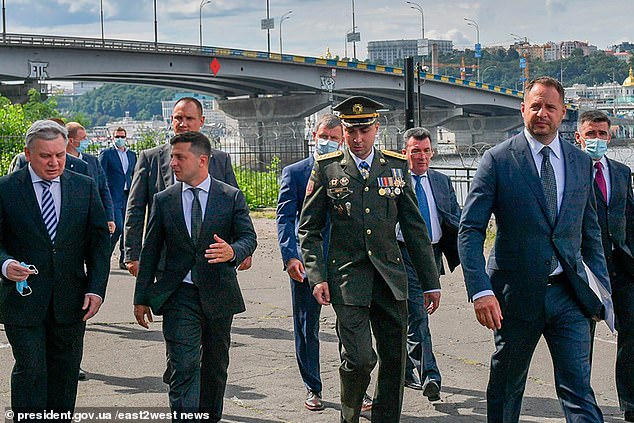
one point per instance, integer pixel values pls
(326, 146)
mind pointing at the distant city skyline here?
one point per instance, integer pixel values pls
(318, 25)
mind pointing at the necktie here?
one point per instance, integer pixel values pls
(364, 169)
(600, 178)
(549, 184)
(48, 209)
(197, 216)
(423, 206)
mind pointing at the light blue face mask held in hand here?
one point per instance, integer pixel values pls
(23, 287)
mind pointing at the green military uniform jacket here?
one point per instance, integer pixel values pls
(363, 215)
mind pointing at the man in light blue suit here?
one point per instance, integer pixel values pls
(540, 189)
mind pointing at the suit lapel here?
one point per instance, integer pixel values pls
(175, 210)
(65, 218)
(166, 170)
(573, 176)
(31, 206)
(379, 166)
(350, 167)
(526, 165)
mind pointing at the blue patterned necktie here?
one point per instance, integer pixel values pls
(423, 206)
(197, 215)
(48, 209)
(549, 184)
(364, 169)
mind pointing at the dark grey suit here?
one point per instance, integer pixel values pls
(617, 220)
(195, 383)
(45, 329)
(508, 185)
(153, 174)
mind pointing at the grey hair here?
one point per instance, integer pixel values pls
(44, 130)
(329, 121)
(418, 133)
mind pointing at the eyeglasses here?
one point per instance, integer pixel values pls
(119, 137)
(418, 154)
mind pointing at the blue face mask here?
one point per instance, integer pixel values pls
(83, 145)
(596, 148)
(325, 146)
(119, 142)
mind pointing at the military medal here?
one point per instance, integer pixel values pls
(381, 191)
(334, 182)
(397, 190)
(399, 182)
(344, 181)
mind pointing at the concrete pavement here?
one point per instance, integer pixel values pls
(125, 362)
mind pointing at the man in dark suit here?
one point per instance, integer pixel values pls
(52, 220)
(615, 208)
(540, 189)
(118, 164)
(198, 291)
(77, 144)
(153, 174)
(441, 213)
(364, 192)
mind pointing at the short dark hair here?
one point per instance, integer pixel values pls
(418, 133)
(121, 129)
(547, 81)
(197, 103)
(328, 121)
(594, 116)
(199, 143)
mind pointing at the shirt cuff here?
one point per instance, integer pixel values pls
(431, 290)
(95, 295)
(481, 294)
(5, 265)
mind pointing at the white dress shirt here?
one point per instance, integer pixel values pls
(125, 163)
(187, 200)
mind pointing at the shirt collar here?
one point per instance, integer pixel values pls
(368, 159)
(204, 185)
(35, 179)
(536, 146)
(604, 162)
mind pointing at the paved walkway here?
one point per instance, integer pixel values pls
(125, 362)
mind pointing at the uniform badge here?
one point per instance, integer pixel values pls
(334, 182)
(310, 187)
(344, 181)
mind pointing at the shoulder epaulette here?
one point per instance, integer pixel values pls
(337, 153)
(394, 154)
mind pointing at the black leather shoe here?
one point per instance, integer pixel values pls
(629, 416)
(313, 401)
(413, 385)
(432, 391)
(82, 374)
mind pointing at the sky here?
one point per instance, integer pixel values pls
(317, 25)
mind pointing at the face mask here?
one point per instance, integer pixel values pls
(83, 145)
(119, 142)
(596, 148)
(325, 146)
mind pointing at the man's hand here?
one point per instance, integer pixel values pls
(219, 251)
(111, 227)
(133, 267)
(246, 263)
(488, 312)
(92, 303)
(295, 269)
(432, 301)
(18, 273)
(322, 293)
(140, 313)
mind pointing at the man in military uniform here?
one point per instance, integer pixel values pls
(364, 192)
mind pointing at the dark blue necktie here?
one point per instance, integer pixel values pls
(48, 209)
(549, 184)
(197, 215)
(364, 169)
(423, 206)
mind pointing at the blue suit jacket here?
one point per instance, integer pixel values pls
(117, 179)
(507, 184)
(448, 215)
(289, 207)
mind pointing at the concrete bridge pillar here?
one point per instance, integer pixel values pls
(273, 126)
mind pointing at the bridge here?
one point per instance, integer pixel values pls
(255, 86)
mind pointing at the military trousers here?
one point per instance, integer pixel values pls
(386, 318)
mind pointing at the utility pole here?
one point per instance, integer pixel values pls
(268, 30)
(354, 43)
(4, 23)
(155, 28)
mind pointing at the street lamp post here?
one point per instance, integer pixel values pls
(200, 19)
(354, 27)
(101, 13)
(417, 6)
(474, 24)
(155, 28)
(268, 30)
(284, 17)
(4, 22)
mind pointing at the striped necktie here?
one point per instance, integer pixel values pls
(48, 209)
(364, 169)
